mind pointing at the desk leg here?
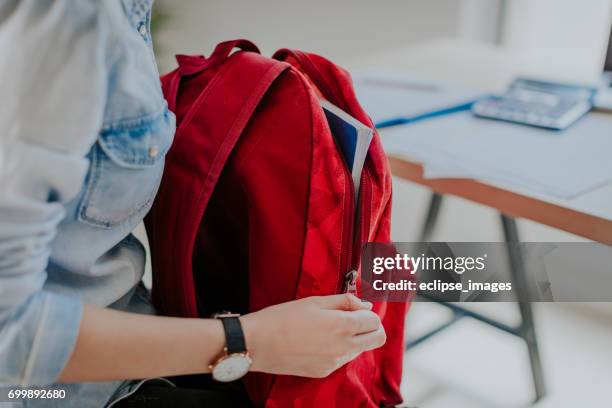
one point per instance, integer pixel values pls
(432, 216)
(526, 330)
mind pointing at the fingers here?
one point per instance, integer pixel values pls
(348, 358)
(371, 340)
(362, 321)
(344, 301)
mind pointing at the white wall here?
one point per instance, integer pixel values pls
(334, 28)
(479, 20)
(573, 33)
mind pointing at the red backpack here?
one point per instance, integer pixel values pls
(256, 207)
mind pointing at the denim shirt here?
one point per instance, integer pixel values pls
(84, 130)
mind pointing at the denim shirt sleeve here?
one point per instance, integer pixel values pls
(53, 82)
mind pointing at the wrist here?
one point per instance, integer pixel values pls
(250, 327)
(212, 331)
(235, 362)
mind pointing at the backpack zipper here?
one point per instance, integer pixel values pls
(350, 282)
(358, 235)
(350, 236)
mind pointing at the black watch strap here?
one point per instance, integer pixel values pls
(234, 337)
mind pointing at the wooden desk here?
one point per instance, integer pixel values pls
(490, 67)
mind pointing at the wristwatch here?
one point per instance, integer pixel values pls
(235, 363)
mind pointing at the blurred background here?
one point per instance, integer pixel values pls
(469, 364)
(573, 32)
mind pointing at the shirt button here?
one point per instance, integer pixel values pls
(142, 30)
(153, 151)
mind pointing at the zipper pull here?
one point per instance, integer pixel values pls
(350, 282)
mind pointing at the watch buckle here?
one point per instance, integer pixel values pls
(225, 314)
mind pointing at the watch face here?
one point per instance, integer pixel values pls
(231, 367)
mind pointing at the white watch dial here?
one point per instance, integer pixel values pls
(231, 367)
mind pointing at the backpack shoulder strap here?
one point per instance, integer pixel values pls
(220, 114)
(328, 78)
(194, 64)
(203, 143)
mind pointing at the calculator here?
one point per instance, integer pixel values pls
(550, 105)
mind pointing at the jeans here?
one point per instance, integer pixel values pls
(190, 392)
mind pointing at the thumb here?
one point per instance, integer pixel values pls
(345, 301)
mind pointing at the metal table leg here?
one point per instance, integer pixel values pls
(431, 217)
(526, 330)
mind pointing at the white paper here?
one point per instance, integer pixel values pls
(389, 95)
(562, 164)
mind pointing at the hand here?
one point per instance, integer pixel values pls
(311, 337)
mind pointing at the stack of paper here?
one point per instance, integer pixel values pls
(389, 96)
(561, 164)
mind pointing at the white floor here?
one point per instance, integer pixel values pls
(474, 365)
